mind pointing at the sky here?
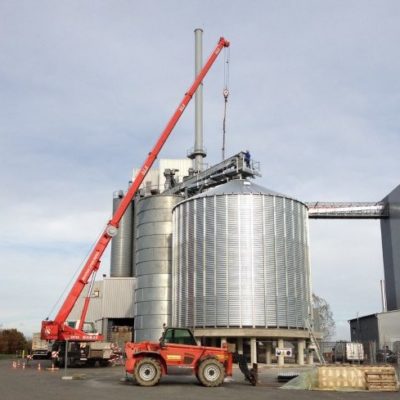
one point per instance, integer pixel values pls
(88, 86)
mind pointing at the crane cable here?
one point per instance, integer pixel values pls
(225, 93)
(68, 285)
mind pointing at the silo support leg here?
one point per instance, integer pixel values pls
(253, 350)
(281, 358)
(240, 345)
(301, 344)
(268, 353)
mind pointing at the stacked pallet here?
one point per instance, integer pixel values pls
(357, 377)
(121, 335)
(340, 378)
(381, 379)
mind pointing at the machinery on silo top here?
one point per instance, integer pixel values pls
(74, 334)
(177, 353)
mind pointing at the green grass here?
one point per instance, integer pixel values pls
(7, 356)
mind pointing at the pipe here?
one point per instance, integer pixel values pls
(198, 101)
(383, 296)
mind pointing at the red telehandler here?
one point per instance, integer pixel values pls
(81, 339)
(177, 353)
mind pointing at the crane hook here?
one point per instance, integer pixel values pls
(226, 94)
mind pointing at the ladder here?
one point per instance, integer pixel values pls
(314, 343)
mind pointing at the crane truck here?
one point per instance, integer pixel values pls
(83, 345)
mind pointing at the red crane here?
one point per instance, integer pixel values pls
(58, 329)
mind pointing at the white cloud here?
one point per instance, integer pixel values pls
(87, 88)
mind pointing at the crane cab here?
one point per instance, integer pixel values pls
(88, 327)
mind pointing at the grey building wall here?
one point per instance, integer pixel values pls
(382, 328)
(390, 228)
(94, 310)
(364, 329)
(111, 298)
(389, 330)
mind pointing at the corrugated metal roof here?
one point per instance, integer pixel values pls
(239, 187)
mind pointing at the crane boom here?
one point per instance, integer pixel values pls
(57, 329)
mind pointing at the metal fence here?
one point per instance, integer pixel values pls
(363, 353)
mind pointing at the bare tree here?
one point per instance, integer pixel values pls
(323, 313)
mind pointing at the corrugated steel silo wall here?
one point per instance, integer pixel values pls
(240, 261)
(122, 244)
(153, 265)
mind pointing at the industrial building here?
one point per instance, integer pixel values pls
(209, 249)
(382, 329)
(217, 253)
(390, 228)
(111, 306)
(230, 262)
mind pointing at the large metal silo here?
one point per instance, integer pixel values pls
(122, 244)
(240, 259)
(153, 265)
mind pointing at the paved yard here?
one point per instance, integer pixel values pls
(105, 383)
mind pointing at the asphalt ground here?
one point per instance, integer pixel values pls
(106, 383)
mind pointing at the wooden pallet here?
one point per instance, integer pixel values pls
(381, 381)
(357, 377)
(340, 378)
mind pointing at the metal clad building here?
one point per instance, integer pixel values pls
(240, 259)
(382, 328)
(390, 228)
(111, 299)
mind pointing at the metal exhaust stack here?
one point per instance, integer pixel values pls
(198, 152)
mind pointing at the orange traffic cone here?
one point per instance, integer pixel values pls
(53, 368)
(38, 367)
(14, 364)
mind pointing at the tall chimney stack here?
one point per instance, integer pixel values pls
(198, 151)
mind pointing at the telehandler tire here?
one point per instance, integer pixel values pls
(211, 373)
(147, 372)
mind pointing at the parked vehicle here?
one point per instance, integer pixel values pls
(386, 356)
(40, 348)
(348, 352)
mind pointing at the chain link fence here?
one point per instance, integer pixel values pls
(360, 353)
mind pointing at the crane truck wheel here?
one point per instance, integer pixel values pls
(211, 373)
(147, 372)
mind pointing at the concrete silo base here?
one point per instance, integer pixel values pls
(261, 340)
